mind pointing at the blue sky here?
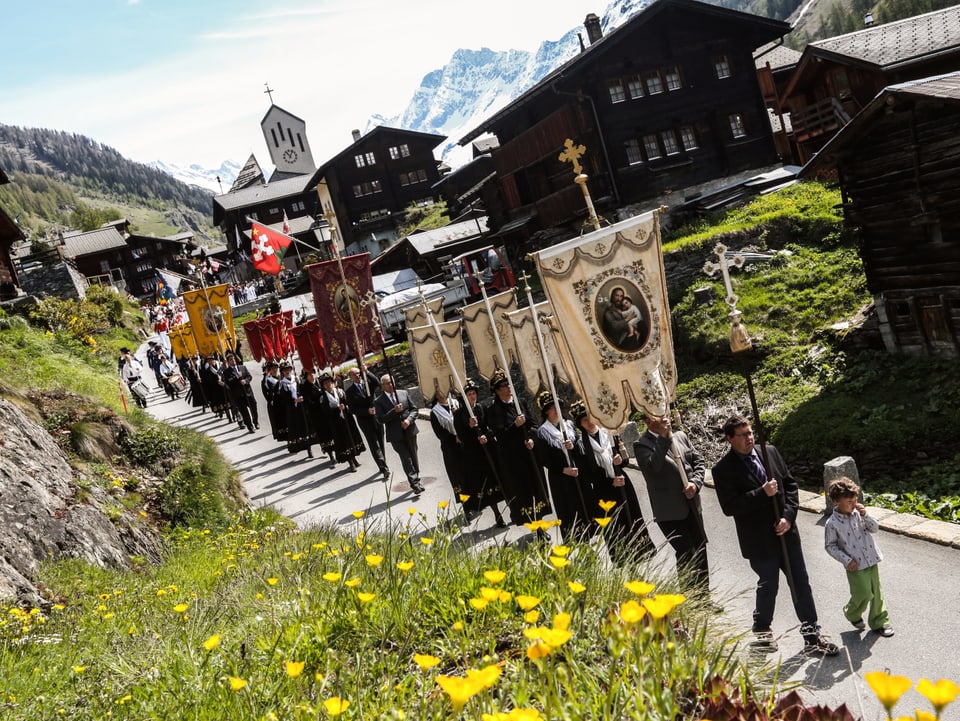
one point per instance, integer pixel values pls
(183, 80)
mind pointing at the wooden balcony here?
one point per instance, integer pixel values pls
(825, 116)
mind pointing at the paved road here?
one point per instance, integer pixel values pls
(921, 579)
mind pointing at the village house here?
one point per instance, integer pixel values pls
(10, 233)
(837, 77)
(897, 162)
(666, 102)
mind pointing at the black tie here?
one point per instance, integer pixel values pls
(757, 467)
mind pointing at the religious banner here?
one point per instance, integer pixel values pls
(527, 346)
(417, 315)
(182, 341)
(479, 329)
(434, 371)
(267, 337)
(211, 318)
(309, 344)
(341, 303)
(609, 297)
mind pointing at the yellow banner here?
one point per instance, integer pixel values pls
(480, 330)
(434, 372)
(211, 319)
(182, 341)
(528, 347)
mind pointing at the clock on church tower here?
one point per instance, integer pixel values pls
(286, 138)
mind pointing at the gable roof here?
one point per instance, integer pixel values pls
(938, 87)
(767, 29)
(249, 174)
(778, 56)
(363, 139)
(262, 192)
(94, 241)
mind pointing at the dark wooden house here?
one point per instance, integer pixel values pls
(10, 233)
(668, 100)
(898, 162)
(837, 77)
(373, 181)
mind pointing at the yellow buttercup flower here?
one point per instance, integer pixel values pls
(888, 688)
(412, 511)
(366, 597)
(576, 587)
(925, 716)
(640, 588)
(479, 603)
(373, 560)
(486, 677)
(531, 616)
(459, 689)
(79, 669)
(272, 581)
(236, 684)
(538, 525)
(538, 650)
(504, 596)
(662, 604)
(332, 576)
(603, 522)
(464, 497)
(527, 602)
(631, 611)
(939, 694)
(336, 705)
(559, 561)
(180, 607)
(212, 642)
(426, 541)
(607, 505)
(494, 577)
(457, 626)
(352, 583)
(425, 661)
(359, 514)
(442, 504)
(404, 565)
(555, 637)
(560, 550)
(294, 668)
(489, 594)
(561, 621)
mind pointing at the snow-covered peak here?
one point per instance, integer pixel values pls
(196, 174)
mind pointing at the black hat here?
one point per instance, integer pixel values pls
(124, 351)
(470, 385)
(151, 342)
(271, 364)
(325, 376)
(578, 411)
(498, 379)
(286, 366)
(545, 401)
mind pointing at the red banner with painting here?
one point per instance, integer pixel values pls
(343, 303)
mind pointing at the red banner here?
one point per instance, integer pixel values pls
(267, 337)
(341, 302)
(309, 344)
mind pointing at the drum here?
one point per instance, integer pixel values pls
(140, 390)
(177, 382)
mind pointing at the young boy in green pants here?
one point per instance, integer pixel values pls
(849, 539)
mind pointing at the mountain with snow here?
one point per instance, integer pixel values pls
(475, 84)
(201, 177)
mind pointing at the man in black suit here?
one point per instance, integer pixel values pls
(237, 379)
(764, 501)
(360, 399)
(398, 415)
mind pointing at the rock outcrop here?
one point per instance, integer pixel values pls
(46, 515)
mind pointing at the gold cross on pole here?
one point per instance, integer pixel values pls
(572, 154)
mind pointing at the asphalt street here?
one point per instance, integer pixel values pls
(921, 580)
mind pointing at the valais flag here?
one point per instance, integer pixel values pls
(267, 248)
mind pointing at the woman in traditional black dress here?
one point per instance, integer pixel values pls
(347, 441)
(299, 434)
(481, 478)
(276, 411)
(213, 388)
(191, 371)
(315, 406)
(602, 462)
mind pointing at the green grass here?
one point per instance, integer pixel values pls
(265, 599)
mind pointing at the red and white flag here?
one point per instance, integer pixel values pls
(286, 223)
(267, 248)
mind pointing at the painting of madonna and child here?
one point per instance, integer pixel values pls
(624, 315)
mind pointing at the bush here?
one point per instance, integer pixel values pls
(190, 497)
(151, 444)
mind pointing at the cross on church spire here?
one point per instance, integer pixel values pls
(268, 91)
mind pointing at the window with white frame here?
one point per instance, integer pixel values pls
(297, 206)
(669, 140)
(404, 151)
(653, 83)
(688, 137)
(370, 158)
(360, 160)
(615, 88)
(632, 148)
(635, 86)
(737, 127)
(671, 77)
(651, 147)
(394, 152)
(721, 66)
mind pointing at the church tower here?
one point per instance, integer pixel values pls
(286, 138)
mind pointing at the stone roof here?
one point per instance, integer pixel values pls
(899, 42)
(261, 193)
(95, 241)
(778, 55)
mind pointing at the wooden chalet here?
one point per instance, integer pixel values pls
(775, 65)
(112, 256)
(897, 161)
(837, 77)
(668, 100)
(10, 233)
(373, 181)
(427, 251)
